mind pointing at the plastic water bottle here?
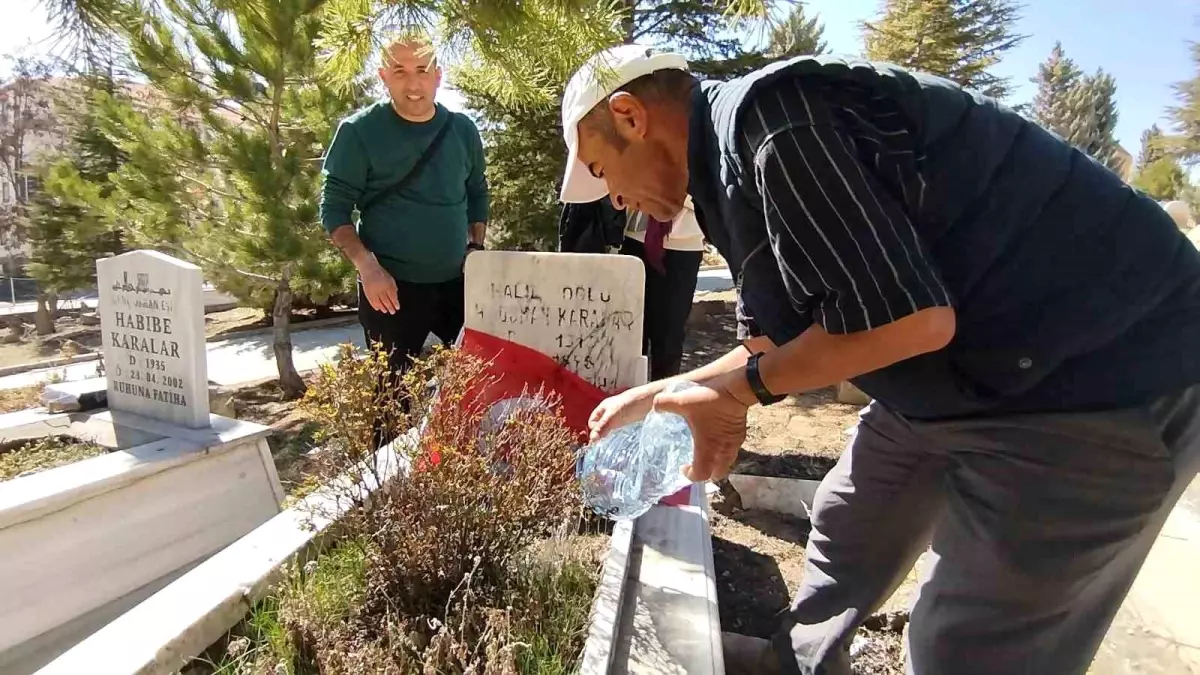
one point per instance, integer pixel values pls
(628, 471)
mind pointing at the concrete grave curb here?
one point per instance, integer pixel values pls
(124, 516)
(51, 363)
(165, 631)
(788, 496)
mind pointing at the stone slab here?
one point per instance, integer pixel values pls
(670, 622)
(789, 496)
(152, 317)
(178, 622)
(83, 535)
(604, 624)
(88, 394)
(585, 310)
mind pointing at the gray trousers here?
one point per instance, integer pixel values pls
(1038, 523)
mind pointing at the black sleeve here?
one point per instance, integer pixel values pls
(844, 246)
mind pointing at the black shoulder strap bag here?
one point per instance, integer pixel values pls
(395, 188)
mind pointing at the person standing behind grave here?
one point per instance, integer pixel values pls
(672, 253)
(415, 173)
(594, 227)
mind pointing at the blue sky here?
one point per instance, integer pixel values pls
(1143, 43)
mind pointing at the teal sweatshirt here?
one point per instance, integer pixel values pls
(420, 234)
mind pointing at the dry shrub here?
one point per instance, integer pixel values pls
(445, 548)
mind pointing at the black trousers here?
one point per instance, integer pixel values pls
(424, 309)
(668, 303)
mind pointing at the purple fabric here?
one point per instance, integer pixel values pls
(656, 233)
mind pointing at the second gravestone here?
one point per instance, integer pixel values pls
(152, 319)
(583, 310)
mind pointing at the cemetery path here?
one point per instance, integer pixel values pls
(212, 298)
(232, 361)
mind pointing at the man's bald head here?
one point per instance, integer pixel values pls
(408, 68)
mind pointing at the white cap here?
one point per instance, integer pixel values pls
(594, 82)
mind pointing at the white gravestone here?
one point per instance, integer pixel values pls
(152, 318)
(582, 309)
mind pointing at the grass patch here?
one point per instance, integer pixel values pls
(45, 453)
(549, 601)
(555, 599)
(326, 590)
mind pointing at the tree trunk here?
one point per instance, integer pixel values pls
(628, 21)
(281, 316)
(43, 320)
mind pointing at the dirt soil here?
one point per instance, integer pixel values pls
(293, 436)
(758, 555)
(73, 337)
(241, 319)
(12, 400)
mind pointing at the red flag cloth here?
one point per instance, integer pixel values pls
(515, 369)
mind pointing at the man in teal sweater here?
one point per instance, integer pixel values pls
(415, 172)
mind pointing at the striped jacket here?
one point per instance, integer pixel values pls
(851, 194)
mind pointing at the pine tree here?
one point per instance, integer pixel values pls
(1081, 109)
(1152, 147)
(68, 229)
(224, 170)
(1163, 179)
(524, 139)
(1092, 124)
(1185, 142)
(229, 179)
(796, 35)
(1056, 78)
(956, 39)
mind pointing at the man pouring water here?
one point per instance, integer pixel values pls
(1026, 324)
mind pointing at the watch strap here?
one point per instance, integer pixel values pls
(754, 378)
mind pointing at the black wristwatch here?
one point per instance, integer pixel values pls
(764, 396)
(472, 246)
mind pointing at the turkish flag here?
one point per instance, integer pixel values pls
(515, 370)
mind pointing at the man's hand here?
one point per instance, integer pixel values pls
(718, 422)
(378, 286)
(624, 408)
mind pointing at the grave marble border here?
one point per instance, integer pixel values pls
(180, 621)
(119, 515)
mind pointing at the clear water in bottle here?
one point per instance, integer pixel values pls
(628, 471)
